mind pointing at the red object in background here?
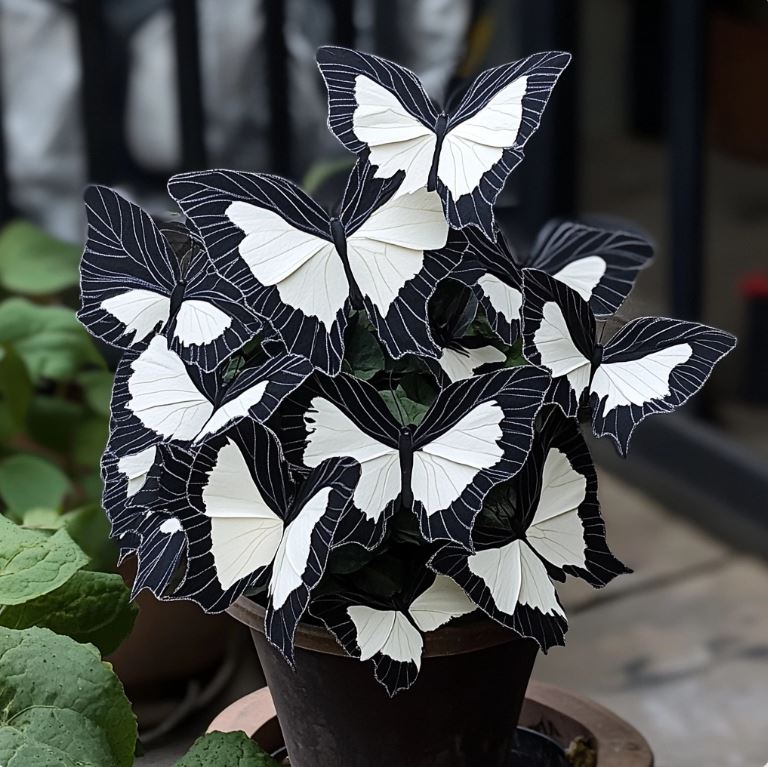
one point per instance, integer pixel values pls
(754, 288)
(755, 285)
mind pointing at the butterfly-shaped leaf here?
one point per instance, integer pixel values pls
(305, 269)
(133, 284)
(476, 434)
(390, 632)
(380, 110)
(652, 365)
(553, 528)
(249, 525)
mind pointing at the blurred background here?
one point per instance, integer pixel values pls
(660, 123)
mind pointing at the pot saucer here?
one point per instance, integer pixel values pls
(556, 725)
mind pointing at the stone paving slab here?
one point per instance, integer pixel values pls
(657, 546)
(686, 663)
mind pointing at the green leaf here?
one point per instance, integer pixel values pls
(33, 563)
(226, 749)
(17, 747)
(404, 409)
(89, 440)
(48, 338)
(89, 528)
(15, 391)
(34, 263)
(362, 351)
(97, 390)
(92, 486)
(419, 388)
(58, 693)
(43, 519)
(52, 422)
(515, 355)
(89, 607)
(28, 482)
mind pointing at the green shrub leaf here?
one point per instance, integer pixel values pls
(17, 747)
(89, 440)
(15, 391)
(58, 694)
(52, 422)
(90, 528)
(97, 389)
(33, 563)
(48, 338)
(362, 351)
(89, 607)
(226, 749)
(29, 482)
(34, 263)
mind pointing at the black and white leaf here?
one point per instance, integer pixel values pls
(380, 111)
(476, 434)
(249, 525)
(463, 355)
(601, 265)
(157, 397)
(304, 270)
(652, 365)
(390, 633)
(133, 285)
(490, 269)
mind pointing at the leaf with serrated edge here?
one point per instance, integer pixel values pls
(89, 607)
(33, 564)
(226, 749)
(60, 694)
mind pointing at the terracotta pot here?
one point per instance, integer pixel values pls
(588, 733)
(462, 710)
(158, 649)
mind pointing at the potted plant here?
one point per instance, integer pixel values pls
(358, 430)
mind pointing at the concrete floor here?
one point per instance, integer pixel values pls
(679, 648)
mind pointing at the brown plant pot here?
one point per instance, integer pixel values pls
(589, 734)
(463, 708)
(159, 649)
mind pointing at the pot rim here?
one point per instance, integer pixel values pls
(479, 633)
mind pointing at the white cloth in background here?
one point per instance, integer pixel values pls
(41, 74)
(41, 100)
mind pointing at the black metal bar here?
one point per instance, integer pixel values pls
(102, 131)
(686, 50)
(647, 69)
(280, 127)
(5, 197)
(387, 36)
(189, 84)
(343, 22)
(548, 176)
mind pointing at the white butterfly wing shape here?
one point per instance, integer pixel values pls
(388, 249)
(446, 466)
(474, 146)
(304, 268)
(246, 534)
(395, 138)
(332, 434)
(443, 601)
